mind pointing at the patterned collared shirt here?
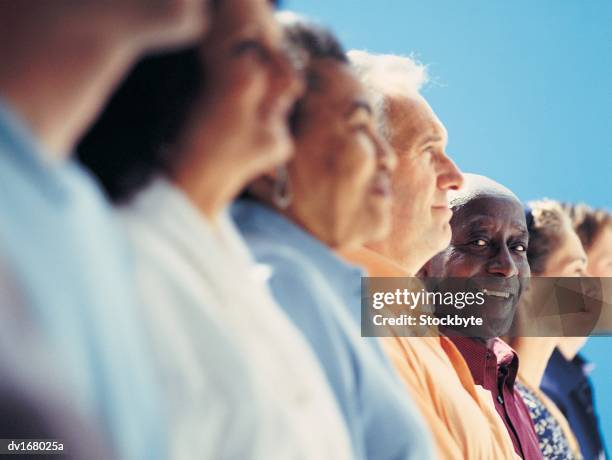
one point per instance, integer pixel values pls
(553, 443)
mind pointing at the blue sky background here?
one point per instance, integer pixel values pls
(524, 88)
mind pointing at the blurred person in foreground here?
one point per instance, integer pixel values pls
(334, 193)
(65, 258)
(554, 251)
(179, 140)
(420, 229)
(566, 378)
(32, 405)
(488, 254)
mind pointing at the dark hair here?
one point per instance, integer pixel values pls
(587, 222)
(318, 43)
(546, 221)
(132, 141)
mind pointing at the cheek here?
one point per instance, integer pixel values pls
(241, 89)
(414, 181)
(310, 176)
(315, 161)
(600, 267)
(461, 264)
(522, 266)
(355, 164)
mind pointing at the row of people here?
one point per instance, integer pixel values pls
(257, 173)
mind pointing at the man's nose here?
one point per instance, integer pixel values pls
(449, 174)
(502, 264)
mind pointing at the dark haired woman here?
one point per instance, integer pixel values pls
(178, 142)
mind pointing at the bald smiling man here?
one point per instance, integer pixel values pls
(488, 250)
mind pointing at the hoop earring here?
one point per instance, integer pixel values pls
(282, 188)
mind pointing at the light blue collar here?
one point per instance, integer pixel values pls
(252, 216)
(19, 145)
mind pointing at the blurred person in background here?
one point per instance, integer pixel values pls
(566, 378)
(334, 193)
(179, 140)
(64, 256)
(594, 228)
(424, 176)
(554, 251)
(488, 253)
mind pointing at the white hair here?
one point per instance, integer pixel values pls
(288, 18)
(476, 186)
(387, 75)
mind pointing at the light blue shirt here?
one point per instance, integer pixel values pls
(68, 261)
(322, 295)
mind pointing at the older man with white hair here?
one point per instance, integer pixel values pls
(425, 173)
(432, 368)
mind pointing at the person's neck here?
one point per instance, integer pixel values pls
(410, 262)
(208, 190)
(570, 346)
(311, 222)
(57, 84)
(322, 228)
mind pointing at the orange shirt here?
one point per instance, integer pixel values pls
(461, 415)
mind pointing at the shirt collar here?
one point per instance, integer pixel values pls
(478, 356)
(166, 207)
(252, 215)
(566, 375)
(20, 145)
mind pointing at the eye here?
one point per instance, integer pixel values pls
(429, 151)
(251, 46)
(520, 248)
(479, 242)
(360, 127)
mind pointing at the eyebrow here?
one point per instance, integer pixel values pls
(524, 234)
(359, 104)
(572, 259)
(434, 138)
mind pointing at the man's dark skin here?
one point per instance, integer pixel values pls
(488, 250)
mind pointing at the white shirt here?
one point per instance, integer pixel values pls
(242, 380)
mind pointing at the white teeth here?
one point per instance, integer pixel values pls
(505, 295)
